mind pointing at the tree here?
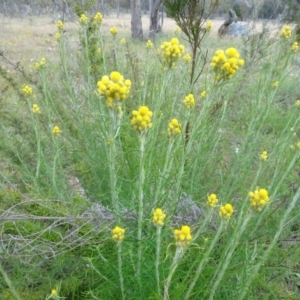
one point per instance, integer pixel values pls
(155, 25)
(136, 19)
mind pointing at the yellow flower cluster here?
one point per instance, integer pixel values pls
(171, 51)
(114, 88)
(189, 101)
(123, 41)
(212, 200)
(60, 25)
(275, 84)
(149, 44)
(295, 47)
(286, 32)
(183, 236)
(40, 64)
(113, 31)
(225, 64)
(53, 292)
(203, 94)
(177, 30)
(83, 19)
(159, 217)
(226, 211)
(264, 155)
(36, 109)
(259, 198)
(57, 36)
(98, 17)
(174, 127)
(27, 90)
(208, 26)
(141, 119)
(118, 233)
(297, 103)
(56, 130)
(187, 58)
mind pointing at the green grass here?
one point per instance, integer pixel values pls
(61, 195)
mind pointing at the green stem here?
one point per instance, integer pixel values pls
(8, 282)
(141, 204)
(178, 255)
(204, 261)
(120, 269)
(158, 242)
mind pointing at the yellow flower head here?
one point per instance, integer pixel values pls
(177, 30)
(174, 127)
(56, 130)
(60, 25)
(286, 32)
(171, 51)
(226, 211)
(141, 119)
(295, 47)
(115, 88)
(212, 200)
(36, 109)
(149, 44)
(226, 63)
(27, 90)
(98, 17)
(203, 94)
(118, 233)
(259, 198)
(275, 83)
(123, 41)
(187, 58)
(53, 292)
(297, 103)
(57, 36)
(40, 64)
(158, 217)
(208, 26)
(83, 19)
(183, 236)
(264, 155)
(189, 101)
(113, 31)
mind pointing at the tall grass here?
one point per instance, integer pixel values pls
(124, 174)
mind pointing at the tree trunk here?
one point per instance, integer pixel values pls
(136, 19)
(155, 25)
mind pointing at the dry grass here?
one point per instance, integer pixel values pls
(31, 38)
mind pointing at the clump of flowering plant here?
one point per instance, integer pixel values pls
(264, 155)
(226, 63)
(259, 198)
(149, 45)
(171, 52)
(295, 47)
(83, 19)
(115, 88)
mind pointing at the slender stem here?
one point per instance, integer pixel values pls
(204, 261)
(178, 255)
(8, 282)
(158, 242)
(120, 269)
(141, 204)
